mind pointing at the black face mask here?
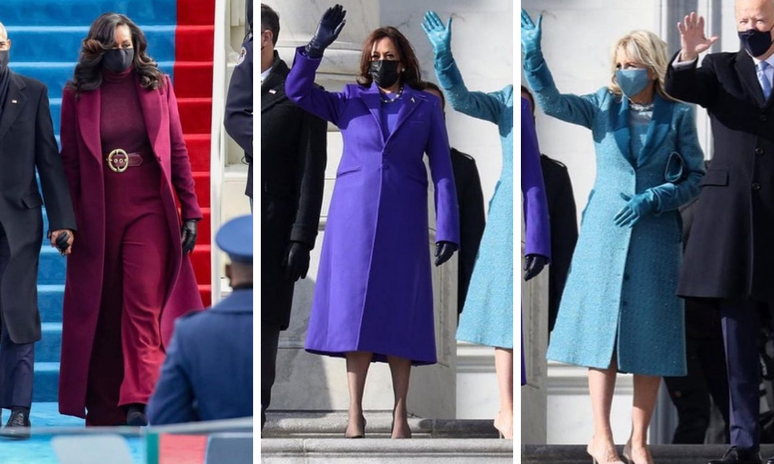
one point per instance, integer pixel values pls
(5, 56)
(119, 59)
(755, 42)
(384, 73)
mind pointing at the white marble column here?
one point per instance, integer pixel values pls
(534, 300)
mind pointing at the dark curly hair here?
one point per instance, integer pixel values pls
(412, 76)
(101, 39)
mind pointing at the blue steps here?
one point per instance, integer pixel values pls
(52, 267)
(55, 75)
(62, 44)
(46, 383)
(55, 13)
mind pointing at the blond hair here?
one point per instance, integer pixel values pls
(646, 48)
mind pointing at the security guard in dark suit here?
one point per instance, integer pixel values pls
(293, 156)
(208, 372)
(239, 102)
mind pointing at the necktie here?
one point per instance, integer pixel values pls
(764, 78)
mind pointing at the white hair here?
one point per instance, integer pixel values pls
(3, 32)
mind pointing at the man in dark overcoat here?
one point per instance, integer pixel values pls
(293, 157)
(238, 119)
(26, 142)
(729, 257)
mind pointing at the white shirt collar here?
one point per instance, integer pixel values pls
(769, 60)
(265, 74)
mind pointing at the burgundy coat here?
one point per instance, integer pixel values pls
(82, 157)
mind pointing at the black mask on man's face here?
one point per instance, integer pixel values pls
(119, 59)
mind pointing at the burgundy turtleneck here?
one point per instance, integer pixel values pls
(122, 124)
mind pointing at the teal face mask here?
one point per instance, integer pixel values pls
(632, 81)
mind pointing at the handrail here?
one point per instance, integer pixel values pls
(218, 139)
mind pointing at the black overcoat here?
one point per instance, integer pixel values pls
(730, 253)
(293, 157)
(27, 142)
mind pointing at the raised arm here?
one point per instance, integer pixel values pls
(487, 106)
(684, 80)
(570, 108)
(299, 85)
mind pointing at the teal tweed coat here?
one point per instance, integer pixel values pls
(620, 294)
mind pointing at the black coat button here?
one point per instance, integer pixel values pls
(758, 150)
(756, 186)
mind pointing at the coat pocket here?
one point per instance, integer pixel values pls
(717, 178)
(347, 171)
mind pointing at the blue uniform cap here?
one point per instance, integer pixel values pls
(235, 237)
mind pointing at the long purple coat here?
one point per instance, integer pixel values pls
(536, 221)
(374, 290)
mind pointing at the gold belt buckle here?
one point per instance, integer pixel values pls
(121, 161)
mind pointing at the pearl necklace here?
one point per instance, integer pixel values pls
(392, 100)
(638, 107)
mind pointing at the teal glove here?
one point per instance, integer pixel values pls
(636, 208)
(439, 37)
(530, 39)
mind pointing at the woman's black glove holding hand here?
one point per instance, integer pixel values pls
(444, 252)
(327, 31)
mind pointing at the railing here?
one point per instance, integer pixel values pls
(218, 141)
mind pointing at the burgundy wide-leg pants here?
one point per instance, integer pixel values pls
(127, 353)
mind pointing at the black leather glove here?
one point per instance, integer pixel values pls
(444, 252)
(188, 235)
(296, 262)
(327, 31)
(533, 265)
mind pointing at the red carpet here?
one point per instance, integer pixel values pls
(194, 38)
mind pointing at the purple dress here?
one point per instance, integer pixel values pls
(374, 289)
(537, 232)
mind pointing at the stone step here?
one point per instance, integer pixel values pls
(317, 424)
(662, 454)
(45, 384)
(373, 451)
(50, 301)
(49, 348)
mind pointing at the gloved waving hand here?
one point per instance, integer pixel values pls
(530, 39)
(439, 37)
(328, 30)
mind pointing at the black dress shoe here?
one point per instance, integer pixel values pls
(770, 460)
(135, 416)
(18, 424)
(736, 455)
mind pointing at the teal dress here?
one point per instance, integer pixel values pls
(487, 316)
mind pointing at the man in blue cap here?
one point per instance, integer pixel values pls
(208, 372)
